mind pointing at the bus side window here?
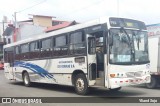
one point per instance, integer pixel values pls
(17, 53)
(77, 45)
(9, 55)
(60, 46)
(5, 56)
(46, 48)
(24, 51)
(34, 50)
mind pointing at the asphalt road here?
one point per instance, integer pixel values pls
(17, 89)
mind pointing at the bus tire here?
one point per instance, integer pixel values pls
(81, 84)
(115, 89)
(153, 83)
(26, 79)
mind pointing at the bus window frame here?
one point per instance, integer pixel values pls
(54, 51)
(83, 42)
(17, 55)
(46, 53)
(38, 50)
(23, 55)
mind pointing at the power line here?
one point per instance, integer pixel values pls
(15, 13)
(88, 6)
(32, 6)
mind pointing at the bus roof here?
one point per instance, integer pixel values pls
(61, 31)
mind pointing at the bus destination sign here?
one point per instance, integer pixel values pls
(128, 23)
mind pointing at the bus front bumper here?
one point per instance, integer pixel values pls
(119, 82)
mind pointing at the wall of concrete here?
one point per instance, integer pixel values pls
(27, 30)
(42, 21)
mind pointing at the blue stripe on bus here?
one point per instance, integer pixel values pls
(35, 68)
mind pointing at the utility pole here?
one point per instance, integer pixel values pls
(4, 21)
(15, 18)
(3, 25)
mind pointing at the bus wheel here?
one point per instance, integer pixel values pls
(153, 83)
(115, 90)
(81, 84)
(26, 79)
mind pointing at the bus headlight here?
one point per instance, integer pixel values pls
(147, 78)
(117, 75)
(112, 75)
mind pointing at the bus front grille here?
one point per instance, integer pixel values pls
(134, 74)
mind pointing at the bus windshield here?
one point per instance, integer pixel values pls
(129, 46)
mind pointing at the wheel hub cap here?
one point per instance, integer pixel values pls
(80, 84)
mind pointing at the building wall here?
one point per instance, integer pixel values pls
(26, 30)
(1, 39)
(42, 21)
(9, 39)
(153, 30)
(1, 28)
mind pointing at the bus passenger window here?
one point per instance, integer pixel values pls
(46, 48)
(24, 48)
(46, 44)
(34, 50)
(77, 43)
(60, 46)
(34, 46)
(17, 53)
(24, 51)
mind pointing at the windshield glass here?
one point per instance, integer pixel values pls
(129, 46)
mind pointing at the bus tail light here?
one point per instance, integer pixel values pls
(112, 75)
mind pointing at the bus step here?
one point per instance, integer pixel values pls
(99, 81)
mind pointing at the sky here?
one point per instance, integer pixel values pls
(82, 10)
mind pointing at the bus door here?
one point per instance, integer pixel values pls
(91, 57)
(10, 66)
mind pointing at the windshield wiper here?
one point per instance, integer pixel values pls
(122, 29)
(130, 42)
(138, 39)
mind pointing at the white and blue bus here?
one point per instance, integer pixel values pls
(107, 52)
